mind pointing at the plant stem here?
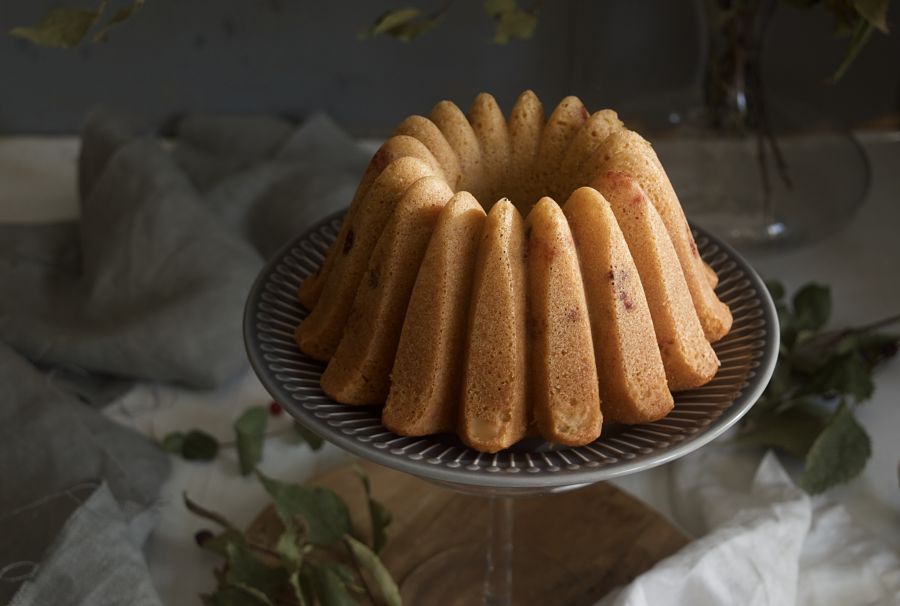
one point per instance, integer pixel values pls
(268, 434)
(894, 319)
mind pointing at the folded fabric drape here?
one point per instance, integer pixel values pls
(148, 284)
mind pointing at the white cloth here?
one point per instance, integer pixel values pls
(741, 510)
(767, 543)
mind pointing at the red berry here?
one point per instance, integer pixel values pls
(275, 409)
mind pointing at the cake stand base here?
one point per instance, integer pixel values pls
(568, 549)
(458, 576)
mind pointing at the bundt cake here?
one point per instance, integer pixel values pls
(462, 297)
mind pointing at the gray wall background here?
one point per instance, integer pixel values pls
(292, 57)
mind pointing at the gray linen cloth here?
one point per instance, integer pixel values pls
(149, 284)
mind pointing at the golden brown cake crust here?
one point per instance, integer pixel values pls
(427, 373)
(629, 367)
(526, 123)
(493, 414)
(430, 135)
(359, 371)
(319, 334)
(687, 356)
(626, 151)
(393, 149)
(562, 126)
(433, 300)
(493, 138)
(563, 390)
(458, 132)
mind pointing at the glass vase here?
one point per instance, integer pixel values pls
(749, 165)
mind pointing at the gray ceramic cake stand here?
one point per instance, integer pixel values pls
(748, 354)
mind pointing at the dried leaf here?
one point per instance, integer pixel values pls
(250, 430)
(325, 514)
(861, 34)
(838, 455)
(120, 16)
(404, 24)
(873, 11)
(393, 19)
(60, 27)
(368, 561)
(511, 22)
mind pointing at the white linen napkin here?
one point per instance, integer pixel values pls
(766, 543)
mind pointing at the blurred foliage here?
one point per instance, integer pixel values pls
(315, 560)
(65, 27)
(821, 377)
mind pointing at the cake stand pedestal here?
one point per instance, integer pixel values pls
(570, 549)
(748, 355)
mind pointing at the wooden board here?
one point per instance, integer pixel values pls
(570, 548)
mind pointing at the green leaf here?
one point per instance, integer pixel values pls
(60, 27)
(368, 561)
(838, 455)
(844, 374)
(873, 347)
(120, 16)
(776, 289)
(794, 430)
(404, 24)
(315, 442)
(812, 306)
(288, 547)
(225, 596)
(173, 442)
(511, 22)
(302, 593)
(780, 382)
(325, 514)
(306, 589)
(252, 576)
(250, 429)
(873, 11)
(379, 515)
(329, 588)
(199, 446)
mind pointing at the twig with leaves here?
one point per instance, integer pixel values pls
(316, 559)
(820, 379)
(66, 27)
(250, 430)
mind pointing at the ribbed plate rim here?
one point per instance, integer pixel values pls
(543, 479)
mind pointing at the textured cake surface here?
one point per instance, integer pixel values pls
(502, 277)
